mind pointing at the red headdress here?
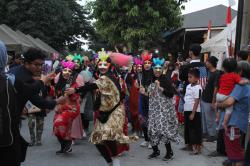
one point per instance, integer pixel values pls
(146, 56)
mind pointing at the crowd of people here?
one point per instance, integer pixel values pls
(153, 95)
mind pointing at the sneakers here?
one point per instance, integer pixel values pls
(169, 156)
(68, 147)
(59, 152)
(154, 154)
(144, 144)
(149, 146)
(31, 143)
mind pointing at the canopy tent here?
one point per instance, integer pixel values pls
(51, 50)
(12, 40)
(37, 43)
(31, 40)
(18, 42)
(219, 43)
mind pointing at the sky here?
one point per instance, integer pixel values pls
(195, 5)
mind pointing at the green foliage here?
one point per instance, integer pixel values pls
(139, 23)
(57, 22)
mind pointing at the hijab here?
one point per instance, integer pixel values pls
(3, 57)
(3, 63)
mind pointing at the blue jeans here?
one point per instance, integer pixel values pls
(208, 119)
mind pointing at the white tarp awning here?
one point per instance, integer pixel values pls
(219, 43)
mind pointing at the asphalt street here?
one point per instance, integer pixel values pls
(85, 154)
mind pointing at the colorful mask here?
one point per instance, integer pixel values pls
(78, 59)
(66, 71)
(103, 57)
(158, 64)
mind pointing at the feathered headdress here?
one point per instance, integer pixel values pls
(69, 57)
(103, 55)
(95, 56)
(68, 64)
(78, 59)
(146, 56)
(121, 59)
(158, 62)
(138, 61)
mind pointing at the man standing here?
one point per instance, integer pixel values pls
(33, 62)
(238, 123)
(242, 55)
(208, 97)
(12, 145)
(17, 61)
(194, 54)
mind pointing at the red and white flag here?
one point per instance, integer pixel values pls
(209, 29)
(228, 22)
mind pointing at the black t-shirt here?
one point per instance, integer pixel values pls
(213, 79)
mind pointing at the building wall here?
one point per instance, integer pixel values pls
(245, 37)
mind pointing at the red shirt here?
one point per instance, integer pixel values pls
(227, 83)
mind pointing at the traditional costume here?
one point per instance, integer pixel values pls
(146, 79)
(108, 129)
(134, 97)
(77, 131)
(162, 120)
(67, 112)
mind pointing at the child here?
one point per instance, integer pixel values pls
(226, 85)
(193, 133)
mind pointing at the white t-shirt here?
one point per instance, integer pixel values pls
(192, 93)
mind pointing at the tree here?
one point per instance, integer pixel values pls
(57, 22)
(139, 23)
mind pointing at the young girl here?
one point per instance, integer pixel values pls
(193, 133)
(226, 85)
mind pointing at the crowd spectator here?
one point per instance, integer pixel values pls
(15, 92)
(208, 98)
(238, 122)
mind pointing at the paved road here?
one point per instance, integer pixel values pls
(85, 154)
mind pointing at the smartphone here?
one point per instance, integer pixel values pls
(48, 66)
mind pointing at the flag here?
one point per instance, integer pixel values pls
(209, 29)
(229, 16)
(203, 77)
(228, 23)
